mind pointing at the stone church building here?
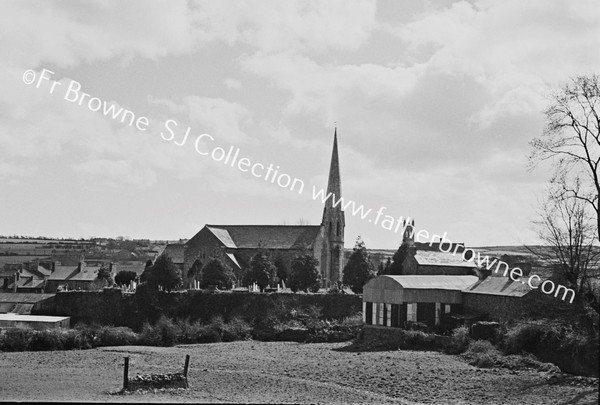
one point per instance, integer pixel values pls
(236, 244)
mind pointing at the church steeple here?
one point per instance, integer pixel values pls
(333, 217)
(334, 185)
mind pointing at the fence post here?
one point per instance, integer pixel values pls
(126, 373)
(185, 369)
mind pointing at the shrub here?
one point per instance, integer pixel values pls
(208, 334)
(483, 354)
(188, 332)
(418, 340)
(77, 340)
(236, 329)
(459, 342)
(89, 333)
(48, 340)
(116, 336)
(163, 333)
(16, 339)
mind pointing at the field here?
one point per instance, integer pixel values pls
(275, 372)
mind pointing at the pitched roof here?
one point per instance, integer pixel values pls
(24, 297)
(233, 259)
(175, 252)
(433, 258)
(62, 272)
(137, 267)
(434, 282)
(68, 273)
(265, 236)
(88, 273)
(499, 286)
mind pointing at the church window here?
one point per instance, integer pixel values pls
(338, 228)
(330, 228)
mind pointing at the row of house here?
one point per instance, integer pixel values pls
(43, 276)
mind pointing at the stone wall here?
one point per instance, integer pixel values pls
(112, 307)
(533, 305)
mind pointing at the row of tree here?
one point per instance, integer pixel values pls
(304, 274)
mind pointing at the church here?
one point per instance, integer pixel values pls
(236, 244)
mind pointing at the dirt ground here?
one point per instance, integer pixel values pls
(277, 372)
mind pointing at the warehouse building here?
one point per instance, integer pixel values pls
(398, 301)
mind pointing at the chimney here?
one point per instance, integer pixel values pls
(53, 266)
(79, 267)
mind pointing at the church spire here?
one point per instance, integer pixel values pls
(334, 185)
(334, 222)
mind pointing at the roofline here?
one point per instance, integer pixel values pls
(263, 226)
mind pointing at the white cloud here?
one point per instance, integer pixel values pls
(324, 88)
(218, 117)
(232, 84)
(514, 49)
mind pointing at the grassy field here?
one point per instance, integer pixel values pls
(278, 372)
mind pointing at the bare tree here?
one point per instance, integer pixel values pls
(567, 232)
(572, 139)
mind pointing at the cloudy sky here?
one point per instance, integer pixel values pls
(435, 104)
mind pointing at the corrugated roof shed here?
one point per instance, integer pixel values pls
(401, 289)
(499, 286)
(265, 236)
(434, 282)
(436, 258)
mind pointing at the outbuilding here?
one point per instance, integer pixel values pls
(38, 322)
(397, 301)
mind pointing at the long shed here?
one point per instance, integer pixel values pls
(396, 301)
(38, 322)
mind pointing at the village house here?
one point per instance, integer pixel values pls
(79, 277)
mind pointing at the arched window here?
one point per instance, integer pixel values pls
(338, 228)
(330, 228)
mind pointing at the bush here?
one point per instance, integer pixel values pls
(116, 336)
(163, 333)
(459, 342)
(16, 339)
(523, 338)
(188, 332)
(483, 354)
(48, 340)
(209, 334)
(236, 329)
(77, 340)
